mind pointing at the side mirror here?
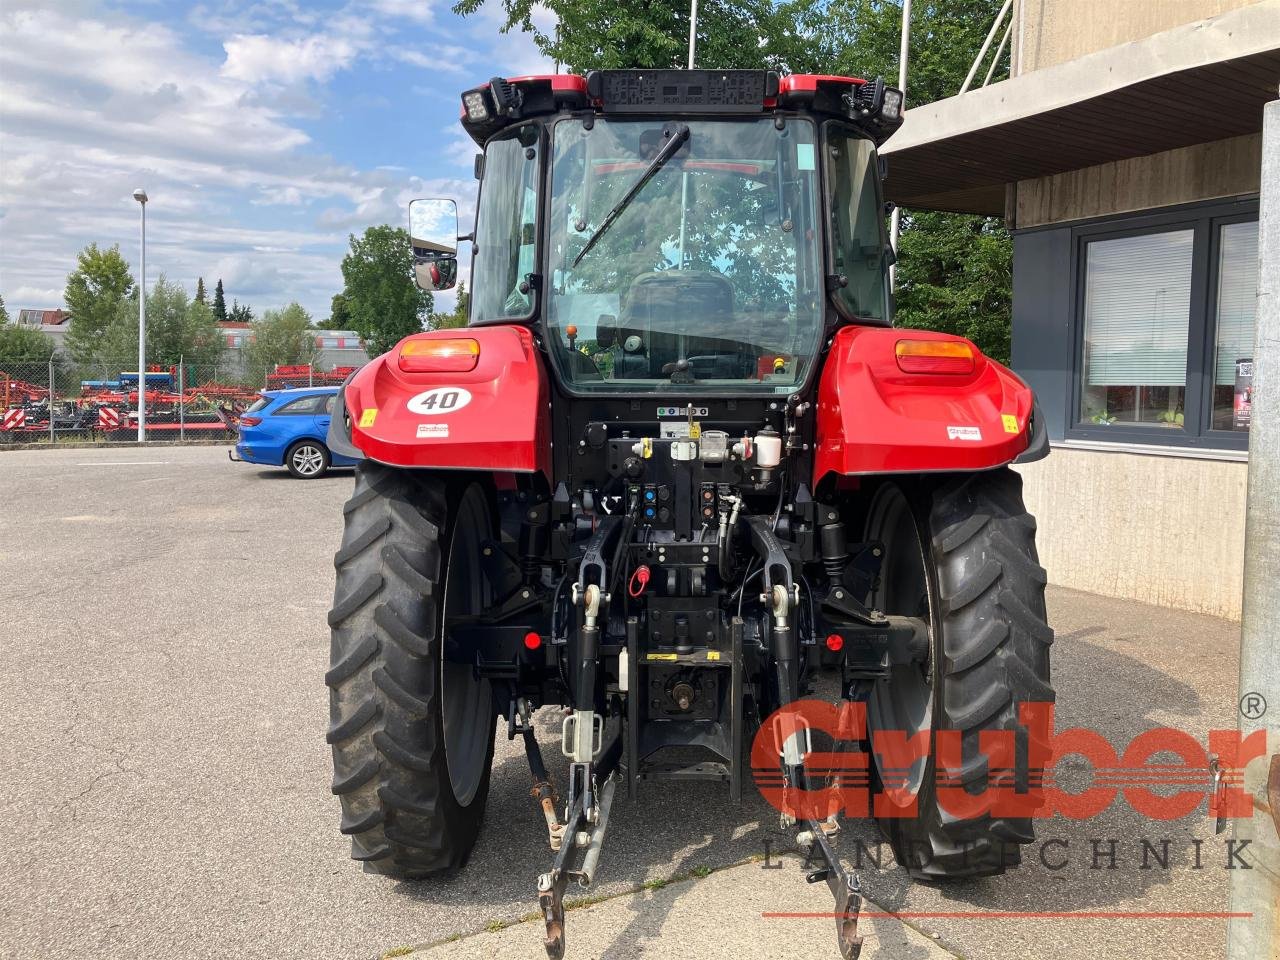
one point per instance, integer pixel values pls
(433, 234)
(432, 275)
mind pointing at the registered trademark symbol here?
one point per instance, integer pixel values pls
(1253, 706)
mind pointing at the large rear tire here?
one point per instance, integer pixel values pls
(412, 736)
(962, 554)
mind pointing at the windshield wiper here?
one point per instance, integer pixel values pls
(678, 135)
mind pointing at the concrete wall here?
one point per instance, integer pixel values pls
(1161, 529)
(1207, 171)
(1047, 32)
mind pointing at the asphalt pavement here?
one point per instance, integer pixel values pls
(165, 781)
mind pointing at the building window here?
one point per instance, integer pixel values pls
(1164, 309)
(1237, 300)
(1136, 312)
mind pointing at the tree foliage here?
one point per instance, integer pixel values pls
(455, 318)
(384, 303)
(23, 344)
(177, 327)
(239, 313)
(339, 315)
(219, 303)
(599, 35)
(4, 314)
(95, 291)
(281, 337)
(200, 296)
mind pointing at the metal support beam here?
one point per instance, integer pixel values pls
(904, 51)
(1257, 891)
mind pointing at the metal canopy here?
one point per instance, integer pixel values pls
(1198, 83)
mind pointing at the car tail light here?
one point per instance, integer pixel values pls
(430, 355)
(934, 356)
(250, 421)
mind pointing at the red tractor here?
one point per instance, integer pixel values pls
(679, 461)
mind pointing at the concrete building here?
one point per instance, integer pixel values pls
(1124, 153)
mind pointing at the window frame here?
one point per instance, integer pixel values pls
(1204, 221)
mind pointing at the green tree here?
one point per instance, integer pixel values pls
(200, 294)
(239, 314)
(219, 303)
(281, 336)
(24, 344)
(176, 327)
(95, 291)
(455, 318)
(955, 271)
(611, 34)
(339, 315)
(4, 314)
(385, 304)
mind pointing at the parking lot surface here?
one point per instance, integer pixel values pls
(164, 775)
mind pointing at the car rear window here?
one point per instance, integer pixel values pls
(258, 404)
(311, 404)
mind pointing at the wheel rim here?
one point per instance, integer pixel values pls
(308, 460)
(466, 701)
(905, 701)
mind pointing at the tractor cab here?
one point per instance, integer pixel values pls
(696, 228)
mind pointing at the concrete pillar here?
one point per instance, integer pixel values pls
(1257, 891)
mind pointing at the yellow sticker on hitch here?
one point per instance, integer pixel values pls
(1010, 423)
(713, 654)
(368, 416)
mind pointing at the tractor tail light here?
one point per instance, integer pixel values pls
(250, 421)
(430, 355)
(934, 356)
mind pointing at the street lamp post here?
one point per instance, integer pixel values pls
(141, 196)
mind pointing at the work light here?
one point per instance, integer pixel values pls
(474, 103)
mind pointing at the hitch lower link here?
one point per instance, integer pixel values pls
(816, 839)
(577, 841)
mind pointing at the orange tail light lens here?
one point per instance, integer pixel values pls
(934, 356)
(430, 355)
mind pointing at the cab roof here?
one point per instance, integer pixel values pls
(502, 102)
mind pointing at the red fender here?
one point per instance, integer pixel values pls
(875, 418)
(493, 417)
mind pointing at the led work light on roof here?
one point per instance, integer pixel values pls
(891, 109)
(473, 102)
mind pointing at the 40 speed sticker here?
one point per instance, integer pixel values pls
(440, 400)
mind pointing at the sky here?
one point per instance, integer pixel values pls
(264, 134)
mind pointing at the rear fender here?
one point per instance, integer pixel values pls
(494, 418)
(873, 418)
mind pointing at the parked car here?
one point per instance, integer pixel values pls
(287, 428)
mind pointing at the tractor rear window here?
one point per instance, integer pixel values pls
(684, 253)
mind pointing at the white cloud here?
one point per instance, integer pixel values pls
(419, 11)
(257, 58)
(94, 103)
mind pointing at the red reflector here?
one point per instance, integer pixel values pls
(532, 641)
(835, 642)
(250, 421)
(431, 355)
(934, 356)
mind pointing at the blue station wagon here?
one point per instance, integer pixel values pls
(287, 428)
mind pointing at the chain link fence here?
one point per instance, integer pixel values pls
(58, 401)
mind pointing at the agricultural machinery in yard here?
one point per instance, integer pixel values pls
(679, 462)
